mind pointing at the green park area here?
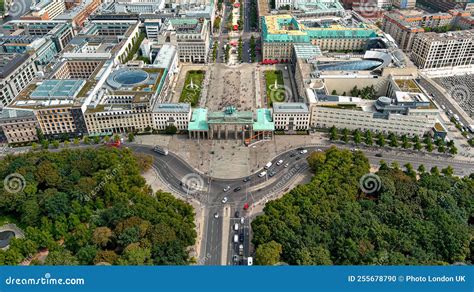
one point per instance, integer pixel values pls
(274, 94)
(92, 207)
(192, 87)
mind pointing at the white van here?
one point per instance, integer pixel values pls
(268, 165)
(236, 238)
(249, 261)
(262, 174)
(236, 226)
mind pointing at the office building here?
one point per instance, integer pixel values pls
(59, 32)
(78, 14)
(404, 4)
(312, 8)
(16, 72)
(190, 35)
(291, 116)
(56, 104)
(432, 50)
(281, 32)
(171, 114)
(446, 5)
(404, 26)
(18, 126)
(45, 10)
(125, 100)
(42, 49)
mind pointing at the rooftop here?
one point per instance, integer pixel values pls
(7, 113)
(139, 80)
(264, 120)
(230, 116)
(58, 89)
(172, 107)
(165, 56)
(198, 120)
(290, 107)
(71, 13)
(9, 62)
(285, 28)
(50, 93)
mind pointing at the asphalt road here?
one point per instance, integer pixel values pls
(189, 183)
(441, 99)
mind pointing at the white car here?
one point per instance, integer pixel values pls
(242, 220)
(280, 162)
(286, 165)
(262, 174)
(224, 200)
(227, 188)
(304, 151)
(216, 215)
(268, 165)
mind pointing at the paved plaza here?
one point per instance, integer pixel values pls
(231, 86)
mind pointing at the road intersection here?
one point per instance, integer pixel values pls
(190, 183)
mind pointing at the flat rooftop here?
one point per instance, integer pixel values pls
(285, 28)
(198, 120)
(172, 107)
(7, 113)
(58, 89)
(264, 121)
(290, 107)
(9, 62)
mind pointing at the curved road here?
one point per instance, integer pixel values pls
(188, 182)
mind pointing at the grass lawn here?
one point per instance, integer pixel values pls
(192, 95)
(270, 77)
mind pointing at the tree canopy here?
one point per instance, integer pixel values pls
(93, 207)
(406, 220)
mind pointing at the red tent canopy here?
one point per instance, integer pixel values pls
(237, 5)
(236, 27)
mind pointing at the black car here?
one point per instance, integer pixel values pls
(300, 148)
(241, 237)
(292, 155)
(237, 214)
(271, 174)
(379, 155)
(298, 158)
(246, 179)
(237, 189)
